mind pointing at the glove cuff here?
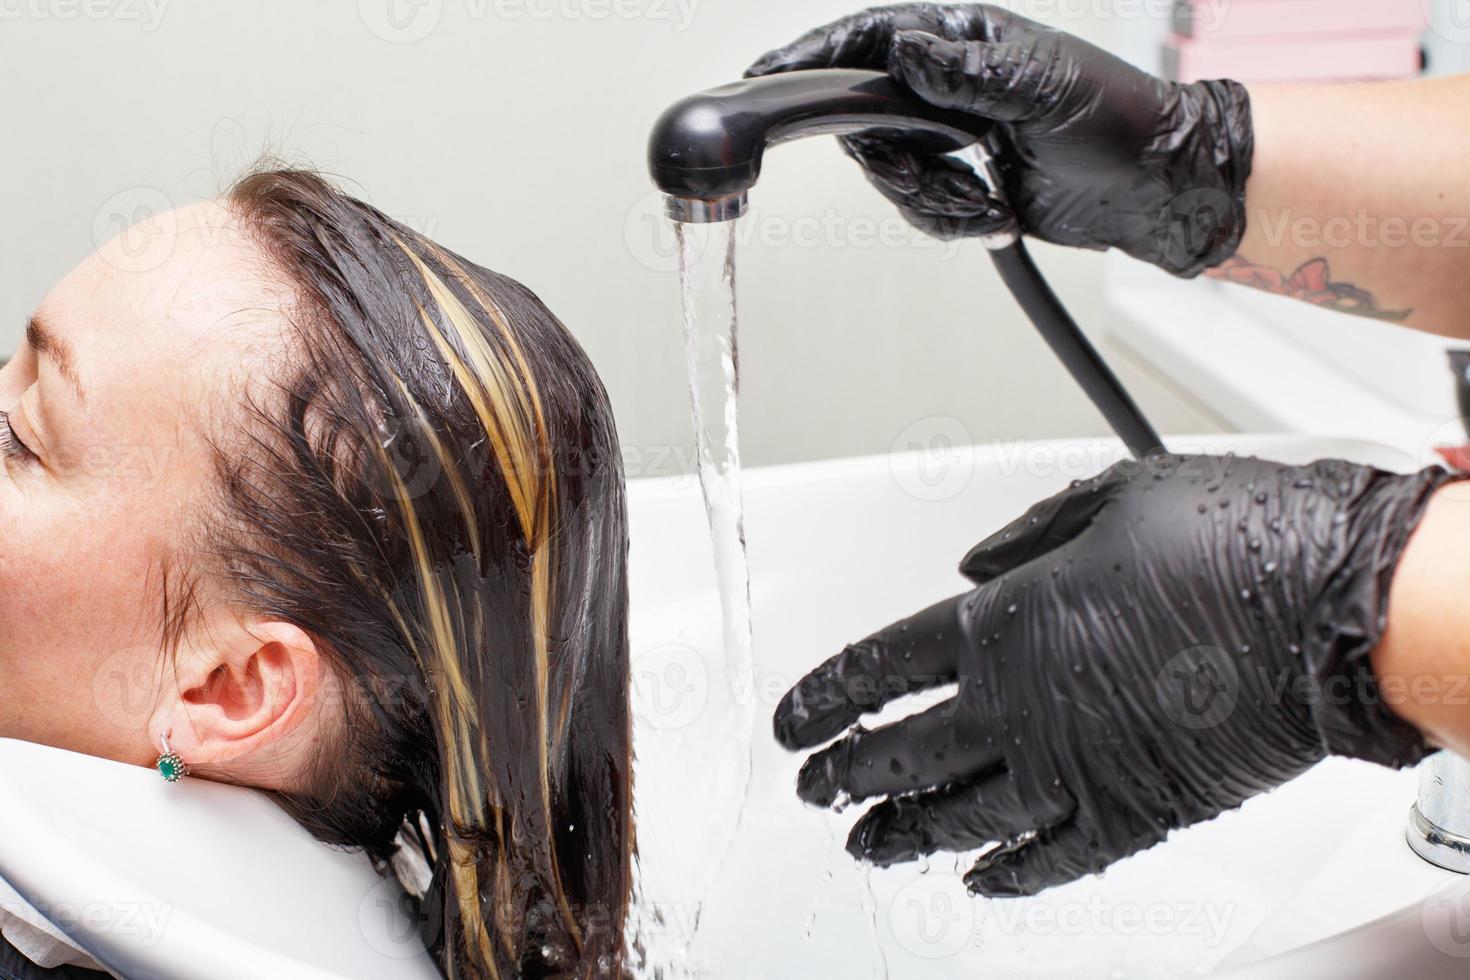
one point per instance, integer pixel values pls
(1238, 146)
(1203, 224)
(1349, 712)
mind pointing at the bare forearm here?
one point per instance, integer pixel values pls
(1359, 200)
(1423, 659)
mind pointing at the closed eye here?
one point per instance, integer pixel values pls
(11, 448)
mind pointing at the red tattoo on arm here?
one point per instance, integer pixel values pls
(1312, 283)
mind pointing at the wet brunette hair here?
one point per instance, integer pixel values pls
(430, 486)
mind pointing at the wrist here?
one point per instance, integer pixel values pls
(1380, 515)
(1422, 661)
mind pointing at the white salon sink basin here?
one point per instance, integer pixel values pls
(162, 881)
(838, 549)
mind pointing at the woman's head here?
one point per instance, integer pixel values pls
(344, 513)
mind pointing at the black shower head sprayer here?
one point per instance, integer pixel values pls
(705, 150)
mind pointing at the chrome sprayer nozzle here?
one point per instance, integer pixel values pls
(697, 210)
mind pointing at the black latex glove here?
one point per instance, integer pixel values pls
(1144, 651)
(1094, 153)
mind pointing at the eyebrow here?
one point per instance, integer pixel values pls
(43, 340)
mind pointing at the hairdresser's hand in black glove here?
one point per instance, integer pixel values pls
(1142, 652)
(1094, 152)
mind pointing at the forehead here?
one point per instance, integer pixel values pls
(155, 315)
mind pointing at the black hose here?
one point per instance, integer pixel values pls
(1080, 358)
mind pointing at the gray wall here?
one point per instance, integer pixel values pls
(513, 131)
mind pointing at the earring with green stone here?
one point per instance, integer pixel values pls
(169, 765)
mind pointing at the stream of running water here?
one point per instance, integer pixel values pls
(707, 293)
(707, 290)
(715, 752)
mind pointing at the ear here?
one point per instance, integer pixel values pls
(243, 695)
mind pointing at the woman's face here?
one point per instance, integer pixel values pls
(129, 361)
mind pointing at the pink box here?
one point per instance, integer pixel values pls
(1328, 59)
(1234, 19)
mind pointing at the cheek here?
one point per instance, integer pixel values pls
(72, 577)
(78, 629)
